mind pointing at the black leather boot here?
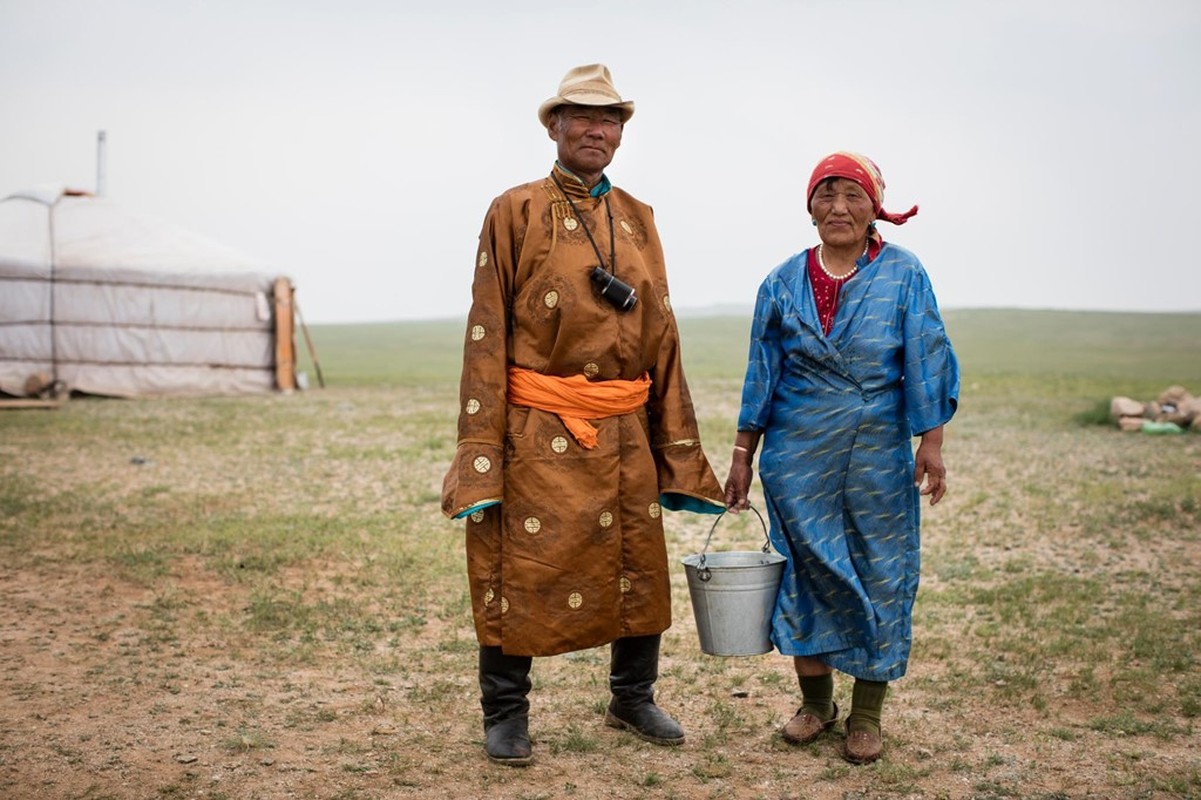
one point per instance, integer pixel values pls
(504, 684)
(633, 670)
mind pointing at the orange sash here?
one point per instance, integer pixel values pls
(576, 399)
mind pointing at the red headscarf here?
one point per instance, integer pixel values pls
(863, 171)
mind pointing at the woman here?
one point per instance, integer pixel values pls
(848, 361)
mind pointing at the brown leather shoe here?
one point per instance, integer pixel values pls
(862, 747)
(805, 727)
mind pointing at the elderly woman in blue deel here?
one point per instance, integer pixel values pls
(848, 361)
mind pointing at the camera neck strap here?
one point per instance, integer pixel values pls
(592, 241)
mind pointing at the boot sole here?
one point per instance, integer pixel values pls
(512, 762)
(616, 722)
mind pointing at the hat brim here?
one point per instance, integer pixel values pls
(584, 99)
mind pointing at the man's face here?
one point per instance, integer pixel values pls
(587, 136)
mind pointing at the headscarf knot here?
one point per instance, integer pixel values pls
(863, 171)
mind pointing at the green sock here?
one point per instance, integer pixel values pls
(867, 704)
(817, 694)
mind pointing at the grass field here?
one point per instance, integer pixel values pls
(258, 597)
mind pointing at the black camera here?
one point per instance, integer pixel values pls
(619, 294)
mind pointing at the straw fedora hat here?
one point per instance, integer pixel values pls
(589, 85)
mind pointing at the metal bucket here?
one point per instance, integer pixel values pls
(733, 595)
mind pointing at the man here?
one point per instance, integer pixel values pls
(576, 428)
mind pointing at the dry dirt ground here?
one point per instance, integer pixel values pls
(91, 710)
(111, 688)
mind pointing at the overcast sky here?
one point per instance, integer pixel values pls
(1054, 147)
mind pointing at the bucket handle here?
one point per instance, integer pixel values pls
(702, 571)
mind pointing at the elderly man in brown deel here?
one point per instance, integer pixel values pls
(576, 428)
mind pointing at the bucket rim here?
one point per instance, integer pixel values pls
(769, 558)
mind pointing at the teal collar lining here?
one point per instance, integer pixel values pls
(602, 187)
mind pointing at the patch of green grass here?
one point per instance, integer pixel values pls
(1125, 723)
(1098, 414)
(575, 740)
(1179, 781)
(1188, 693)
(713, 766)
(248, 739)
(19, 497)
(370, 354)
(275, 610)
(1159, 641)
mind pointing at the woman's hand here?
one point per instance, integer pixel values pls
(929, 467)
(738, 483)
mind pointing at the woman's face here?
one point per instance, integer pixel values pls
(843, 211)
